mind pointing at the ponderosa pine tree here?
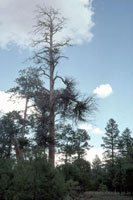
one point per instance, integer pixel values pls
(28, 83)
(72, 143)
(97, 173)
(81, 144)
(110, 140)
(125, 142)
(49, 24)
(110, 144)
(65, 141)
(47, 56)
(10, 131)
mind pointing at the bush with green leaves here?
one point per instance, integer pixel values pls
(102, 188)
(32, 178)
(6, 178)
(79, 172)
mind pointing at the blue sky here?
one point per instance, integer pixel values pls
(105, 58)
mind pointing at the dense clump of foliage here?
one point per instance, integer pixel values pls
(31, 178)
(79, 171)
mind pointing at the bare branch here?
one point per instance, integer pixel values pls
(63, 43)
(58, 58)
(31, 106)
(41, 58)
(63, 80)
(44, 72)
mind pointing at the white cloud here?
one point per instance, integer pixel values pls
(103, 91)
(89, 127)
(7, 105)
(17, 19)
(91, 154)
(97, 131)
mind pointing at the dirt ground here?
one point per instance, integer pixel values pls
(104, 196)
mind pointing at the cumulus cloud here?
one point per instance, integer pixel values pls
(89, 127)
(7, 105)
(97, 131)
(18, 17)
(91, 154)
(103, 91)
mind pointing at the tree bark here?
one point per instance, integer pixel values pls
(52, 117)
(23, 128)
(24, 120)
(16, 147)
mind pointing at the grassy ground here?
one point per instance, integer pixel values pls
(105, 196)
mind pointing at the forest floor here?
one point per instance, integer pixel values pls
(99, 196)
(104, 196)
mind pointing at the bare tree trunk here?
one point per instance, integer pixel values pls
(52, 131)
(49, 23)
(16, 147)
(23, 128)
(24, 120)
(66, 158)
(78, 155)
(52, 117)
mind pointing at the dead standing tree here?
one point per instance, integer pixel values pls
(47, 56)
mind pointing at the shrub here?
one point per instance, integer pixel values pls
(102, 188)
(31, 178)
